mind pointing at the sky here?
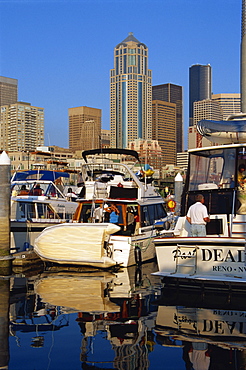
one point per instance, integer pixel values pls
(61, 51)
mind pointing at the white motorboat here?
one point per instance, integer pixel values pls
(108, 183)
(220, 256)
(37, 201)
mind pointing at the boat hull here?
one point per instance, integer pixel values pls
(94, 244)
(207, 258)
(78, 244)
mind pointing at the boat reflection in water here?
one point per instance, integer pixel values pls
(124, 320)
(116, 308)
(211, 326)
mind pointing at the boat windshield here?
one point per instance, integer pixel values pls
(212, 169)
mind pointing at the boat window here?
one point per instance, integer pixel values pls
(27, 210)
(45, 211)
(241, 182)
(152, 213)
(212, 169)
(52, 191)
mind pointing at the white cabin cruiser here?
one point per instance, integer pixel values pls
(37, 201)
(220, 256)
(111, 188)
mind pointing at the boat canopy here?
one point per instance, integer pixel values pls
(223, 132)
(129, 152)
(45, 175)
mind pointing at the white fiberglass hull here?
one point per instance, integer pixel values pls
(94, 244)
(79, 244)
(207, 258)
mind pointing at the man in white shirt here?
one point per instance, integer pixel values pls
(197, 216)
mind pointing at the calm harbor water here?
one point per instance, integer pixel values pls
(125, 320)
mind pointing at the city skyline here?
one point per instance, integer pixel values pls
(61, 52)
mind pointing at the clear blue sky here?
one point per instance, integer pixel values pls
(61, 51)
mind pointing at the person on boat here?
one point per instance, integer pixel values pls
(241, 173)
(23, 190)
(71, 195)
(130, 220)
(197, 216)
(98, 214)
(114, 215)
(37, 190)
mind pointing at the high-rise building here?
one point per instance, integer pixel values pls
(204, 109)
(84, 128)
(164, 129)
(230, 103)
(173, 94)
(200, 86)
(130, 93)
(8, 90)
(21, 127)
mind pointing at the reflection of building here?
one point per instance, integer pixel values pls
(130, 93)
(173, 94)
(21, 127)
(164, 129)
(200, 86)
(84, 128)
(149, 152)
(8, 90)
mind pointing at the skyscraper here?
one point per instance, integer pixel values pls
(204, 109)
(200, 86)
(21, 127)
(84, 128)
(164, 129)
(130, 93)
(8, 90)
(173, 94)
(243, 58)
(229, 102)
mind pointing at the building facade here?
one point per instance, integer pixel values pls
(164, 129)
(84, 128)
(204, 109)
(21, 127)
(149, 151)
(229, 102)
(8, 90)
(105, 138)
(130, 93)
(200, 86)
(173, 94)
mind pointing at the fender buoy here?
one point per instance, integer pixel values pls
(138, 277)
(138, 256)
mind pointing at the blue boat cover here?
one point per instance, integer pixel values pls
(38, 175)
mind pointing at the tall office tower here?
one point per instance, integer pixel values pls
(21, 127)
(204, 109)
(173, 94)
(130, 93)
(230, 103)
(8, 90)
(84, 128)
(164, 129)
(200, 86)
(243, 58)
